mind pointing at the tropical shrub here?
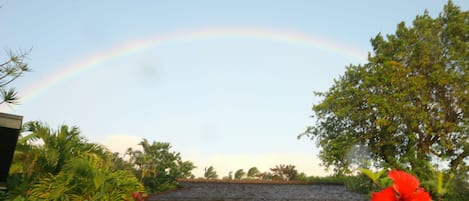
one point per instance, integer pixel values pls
(86, 178)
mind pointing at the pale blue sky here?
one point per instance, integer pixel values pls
(231, 102)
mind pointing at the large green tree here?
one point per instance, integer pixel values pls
(408, 107)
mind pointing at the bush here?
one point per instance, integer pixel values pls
(360, 184)
(332, 180)
(459, 190)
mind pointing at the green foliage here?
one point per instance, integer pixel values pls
(239, 174)
(157, 167)
(253, 172)
(459, 187)
(408, 105)
(58, 146)
(86, 178)
(11, 69)
(3, 195)
(359, 183)
(439, 183)
(284, 172)
(210, 173)
(229, 176)
(333, 180)
(302, 177)
(377, 178)
(266, 176)
(43, 151)
(62, 165)
(446, 185)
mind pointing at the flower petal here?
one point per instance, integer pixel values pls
(404, 184)
(387, 194)
(421, 195)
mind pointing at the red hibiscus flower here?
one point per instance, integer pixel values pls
(405, 188)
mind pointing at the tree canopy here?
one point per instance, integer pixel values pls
(158, 167)
(408, 106)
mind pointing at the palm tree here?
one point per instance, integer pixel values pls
(253, 173)
(239, 174)
(60, 146)
(43, 151)
(210, 173)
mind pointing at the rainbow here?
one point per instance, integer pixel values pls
(95, 60)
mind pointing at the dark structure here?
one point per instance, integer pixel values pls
(10, 126)
(240, 190)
